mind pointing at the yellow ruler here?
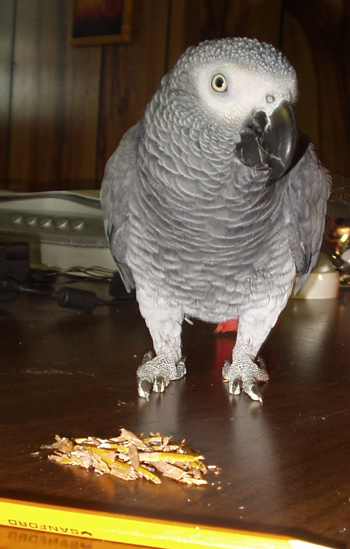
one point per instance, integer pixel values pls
(136, 530)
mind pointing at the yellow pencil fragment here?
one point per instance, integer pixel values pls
(130, 457)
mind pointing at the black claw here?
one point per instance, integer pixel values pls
(236, 387)
(147, 357)
(261, 362)
(159, 384)
(255, 393)
(145, 388)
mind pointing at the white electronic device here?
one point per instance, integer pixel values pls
(64, 229)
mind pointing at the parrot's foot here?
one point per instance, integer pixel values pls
(245, 375)
(155, 374)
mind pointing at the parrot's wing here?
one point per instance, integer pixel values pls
(117, 184)
(306, 198)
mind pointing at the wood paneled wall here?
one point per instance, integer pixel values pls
(63, 109)
(316, 38)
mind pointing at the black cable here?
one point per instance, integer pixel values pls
(70, 298)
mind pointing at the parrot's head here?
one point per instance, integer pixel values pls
(246, 89)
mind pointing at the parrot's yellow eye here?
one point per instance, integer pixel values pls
(219, 83)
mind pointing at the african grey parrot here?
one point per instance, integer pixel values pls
(211, 209)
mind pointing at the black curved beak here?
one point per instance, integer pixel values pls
(268, 142)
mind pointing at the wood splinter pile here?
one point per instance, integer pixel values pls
(130, 457)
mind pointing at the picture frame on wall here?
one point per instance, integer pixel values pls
(96, 22)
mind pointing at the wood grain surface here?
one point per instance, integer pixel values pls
(55, 100)
(284, 465)
(64, 109)
(7, 18)
(130, 76)
(316, 39)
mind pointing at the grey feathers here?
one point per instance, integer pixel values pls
(252, 54)
(306, 197)
(115, 198)
(190, 224)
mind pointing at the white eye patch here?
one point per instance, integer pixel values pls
(232, 92)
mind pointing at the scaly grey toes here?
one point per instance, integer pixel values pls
(155, 374)
(244, 375)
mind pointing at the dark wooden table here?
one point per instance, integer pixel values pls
(285, 465)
